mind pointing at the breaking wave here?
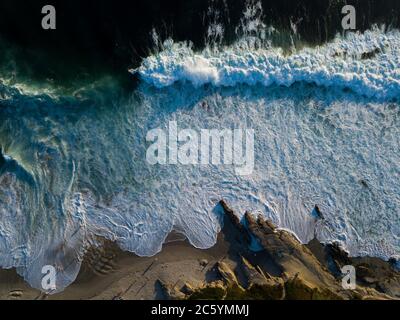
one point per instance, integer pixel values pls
(75, 168)
(367, 63)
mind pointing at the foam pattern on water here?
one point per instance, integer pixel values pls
(367, 63)
(78, 170)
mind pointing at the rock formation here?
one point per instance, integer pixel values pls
(303, 271)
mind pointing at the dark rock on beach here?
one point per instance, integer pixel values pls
(282, 268)
(301, 275)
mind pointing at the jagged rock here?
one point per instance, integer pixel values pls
(234, 219)
(395, 262)
(286, 251)
(229, 212)
(187, 289)
(306, 275)
(377, 274)
(390, 287)
(317, 212)
(289, 253)
(215, 290)
(297, 288)
(262, 284)
(226, 273)
(254, 276)
(365, 274)
(339, 256)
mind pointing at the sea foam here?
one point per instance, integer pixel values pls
(84, 171)
(367, 63)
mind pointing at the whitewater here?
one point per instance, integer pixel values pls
(366, 63)
(326, 122)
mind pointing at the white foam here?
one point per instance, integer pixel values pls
(340, 63)
(312, 146)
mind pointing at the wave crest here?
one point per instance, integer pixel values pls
(367, 63)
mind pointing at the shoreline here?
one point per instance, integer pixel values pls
(284, 268)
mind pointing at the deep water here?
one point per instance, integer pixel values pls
(106, 36)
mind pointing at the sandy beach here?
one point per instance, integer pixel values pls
(181, 271)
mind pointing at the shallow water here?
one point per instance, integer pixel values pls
(326, 128)
(80, 170)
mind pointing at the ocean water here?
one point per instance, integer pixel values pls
(326, 123)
